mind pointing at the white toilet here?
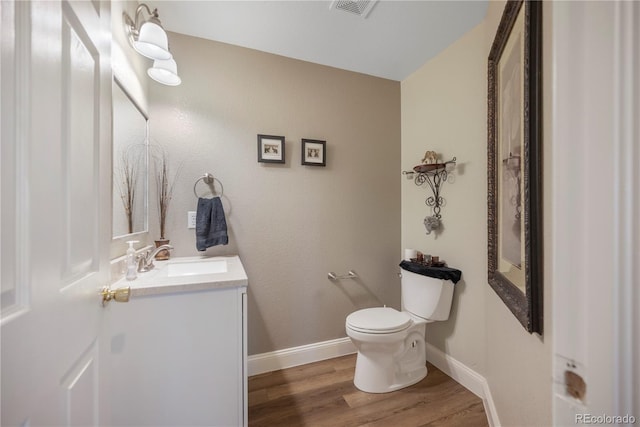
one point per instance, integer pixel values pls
(391, 343)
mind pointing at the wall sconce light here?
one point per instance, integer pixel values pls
(165, 71)
(149, 39)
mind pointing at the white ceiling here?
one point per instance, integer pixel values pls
(396, 39)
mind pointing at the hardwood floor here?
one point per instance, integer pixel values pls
(323, 394)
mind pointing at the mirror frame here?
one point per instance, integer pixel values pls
(127, 236)
(526, 306)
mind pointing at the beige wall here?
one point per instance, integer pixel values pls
(444, 109)
(290, 224)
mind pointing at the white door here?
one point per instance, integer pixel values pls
(55, 188)
(596, 204)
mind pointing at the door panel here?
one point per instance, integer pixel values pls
(81, 392)
(56, 196)
(14, 107)
(80, 147)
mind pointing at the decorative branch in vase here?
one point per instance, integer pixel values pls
(165, 182)
(127, 183)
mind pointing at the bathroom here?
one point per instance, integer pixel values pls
(291, 224)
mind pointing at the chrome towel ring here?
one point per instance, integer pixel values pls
(208, 179)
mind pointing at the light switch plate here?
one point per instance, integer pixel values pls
(191, 219)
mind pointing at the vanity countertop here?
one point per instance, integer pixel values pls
(159, 281)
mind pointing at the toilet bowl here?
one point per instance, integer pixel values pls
(389, 358)
(391, 343)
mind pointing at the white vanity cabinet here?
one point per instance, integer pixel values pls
(178, 353)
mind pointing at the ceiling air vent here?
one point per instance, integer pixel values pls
(357, 7)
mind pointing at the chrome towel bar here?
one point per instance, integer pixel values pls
(350, 275)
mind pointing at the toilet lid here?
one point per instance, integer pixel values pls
(378, 320)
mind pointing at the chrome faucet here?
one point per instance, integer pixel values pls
(145, 260)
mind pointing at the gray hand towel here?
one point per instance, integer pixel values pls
(211, 225)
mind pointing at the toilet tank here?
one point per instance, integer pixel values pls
(425, 296)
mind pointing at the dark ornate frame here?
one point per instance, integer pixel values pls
(527, 306)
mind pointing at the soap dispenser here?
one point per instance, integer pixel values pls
(131, 261)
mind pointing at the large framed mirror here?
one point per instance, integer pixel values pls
(514, 153)
(130, 165)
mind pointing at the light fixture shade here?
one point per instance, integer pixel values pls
(165, 72)
(152, 42)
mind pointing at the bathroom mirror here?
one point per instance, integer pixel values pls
(130, 164)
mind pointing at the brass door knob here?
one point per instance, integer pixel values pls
(118, 295)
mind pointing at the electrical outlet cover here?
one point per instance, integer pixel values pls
(191, 219)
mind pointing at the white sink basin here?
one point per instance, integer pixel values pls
(187, 274)
(196, 267)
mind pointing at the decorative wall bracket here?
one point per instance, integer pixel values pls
(434, 174)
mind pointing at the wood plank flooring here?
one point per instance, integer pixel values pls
(322, 394)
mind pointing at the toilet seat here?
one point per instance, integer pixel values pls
(378, 320)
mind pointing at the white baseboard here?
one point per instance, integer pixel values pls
(467, 377)
(296, 356)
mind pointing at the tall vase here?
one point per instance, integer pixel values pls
(163, 254)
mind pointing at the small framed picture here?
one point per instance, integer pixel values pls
(270, 149)
(314, 152)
